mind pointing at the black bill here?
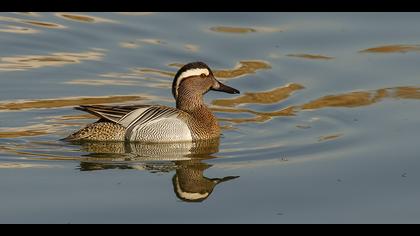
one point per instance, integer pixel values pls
(226, 89)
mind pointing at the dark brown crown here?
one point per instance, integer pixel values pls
(189, 66)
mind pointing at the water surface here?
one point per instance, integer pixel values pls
(325, 130)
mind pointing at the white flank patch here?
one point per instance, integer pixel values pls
(188, 73)
(165, 129)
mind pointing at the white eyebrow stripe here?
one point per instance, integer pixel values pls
(188, 73)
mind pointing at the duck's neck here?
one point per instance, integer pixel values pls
(190, 101)
(206, 125)
(193, 103)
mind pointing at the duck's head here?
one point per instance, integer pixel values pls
(197, 77)
(190, 184)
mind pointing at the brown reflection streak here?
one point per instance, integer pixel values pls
(64, 102)
(347, 100)
(32, 22)
(76, 117)
(22, 133)
(268, 97)
(259, 116)
(243, 68)
(46, 156)
(229, 29)
(83, 18)
(407, 93)
(44, 24)
(363, 98)
(398, 48)
(329, 137)
(27, 131)
(354, 99)
(52, 124)
(18, 63)
(311, 56)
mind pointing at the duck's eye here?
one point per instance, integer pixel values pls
(203, 75)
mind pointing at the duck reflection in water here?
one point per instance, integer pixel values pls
(189, 182)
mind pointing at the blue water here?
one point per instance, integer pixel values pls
(325, 129)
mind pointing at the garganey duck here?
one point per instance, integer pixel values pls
(191, 119)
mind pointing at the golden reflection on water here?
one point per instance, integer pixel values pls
(73, 117)
(329, 137)
(269, 97)
(347, 100)
(31, 130)
(83, 18)
(69, 101)
(406, 93)
(242, 68)
(397, 48)
(26, 62)
(32, 22)
(230, 29)
(353, 99)
(259, 116)
(44, 24)
(311, 56)
(363, 98)
(20, 132)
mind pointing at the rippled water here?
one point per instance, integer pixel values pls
(326, 128)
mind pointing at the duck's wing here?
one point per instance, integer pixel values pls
(129, 116)
(110, 113)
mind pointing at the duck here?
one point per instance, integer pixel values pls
(190, 120)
